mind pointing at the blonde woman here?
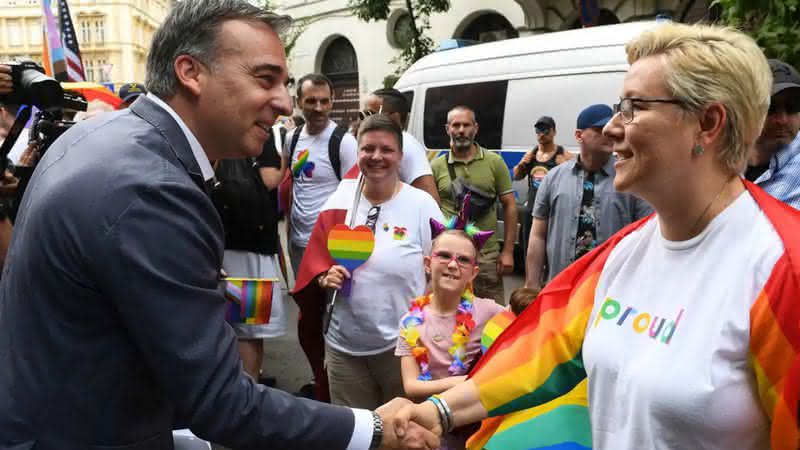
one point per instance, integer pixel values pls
(685, 324)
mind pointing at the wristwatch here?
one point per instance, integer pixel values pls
(377, 431)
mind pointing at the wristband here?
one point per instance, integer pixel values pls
(451, 423)
(444, 419)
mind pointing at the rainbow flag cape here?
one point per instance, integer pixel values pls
(249, 300)
(538, 358)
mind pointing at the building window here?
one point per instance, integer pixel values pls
(35, 30)
(99, 31)
(86, 32)
(14, 33)
(102, 76)
(487, 99)
(88, 67)
(401, 30)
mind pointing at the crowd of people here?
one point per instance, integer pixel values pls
(661, 277)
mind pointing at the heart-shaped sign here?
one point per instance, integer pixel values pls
(350, 247)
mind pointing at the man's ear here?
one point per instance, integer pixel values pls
(578, 135)
(190, 73)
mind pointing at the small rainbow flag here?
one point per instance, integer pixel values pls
(249, 300)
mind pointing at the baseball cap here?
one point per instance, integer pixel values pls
(784, 76)
(545, 121)
(594, 116)
(129, 91)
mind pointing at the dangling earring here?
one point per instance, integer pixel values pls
(698, 150)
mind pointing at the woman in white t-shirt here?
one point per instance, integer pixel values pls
(686, 323)
(359, 352)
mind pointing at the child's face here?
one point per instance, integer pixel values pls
(452, 265)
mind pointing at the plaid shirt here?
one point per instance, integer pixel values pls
(782, 179)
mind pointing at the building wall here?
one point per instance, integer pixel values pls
(329, 19)
(112, 34)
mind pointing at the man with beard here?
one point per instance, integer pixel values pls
(775, 163)
(469, 168)
(576, 207)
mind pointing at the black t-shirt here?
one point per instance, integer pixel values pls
(249, 211)
(536, 171)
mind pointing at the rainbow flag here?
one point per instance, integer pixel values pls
(538, 358)
(249, 300)
(495, 326)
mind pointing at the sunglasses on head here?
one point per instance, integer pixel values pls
(791, 105)
(366, 113)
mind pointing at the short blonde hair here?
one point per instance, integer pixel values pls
(708, 64)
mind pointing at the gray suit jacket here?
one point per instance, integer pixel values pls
(112, 329)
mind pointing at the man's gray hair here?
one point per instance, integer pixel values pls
(191, 28)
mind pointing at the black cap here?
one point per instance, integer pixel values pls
(784, 76)
(130, 91)
(546, 121)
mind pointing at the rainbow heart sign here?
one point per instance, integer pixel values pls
(350, 248)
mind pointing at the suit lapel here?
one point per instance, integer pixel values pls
(161, 120)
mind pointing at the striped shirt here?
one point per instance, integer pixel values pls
(782, 179)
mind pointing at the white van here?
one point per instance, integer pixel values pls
(512, 83)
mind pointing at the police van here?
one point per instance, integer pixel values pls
(512, 83)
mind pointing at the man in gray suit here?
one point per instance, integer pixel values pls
(112, 329)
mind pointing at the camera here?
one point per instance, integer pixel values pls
(30, 86)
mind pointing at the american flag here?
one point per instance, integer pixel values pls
(72, 53)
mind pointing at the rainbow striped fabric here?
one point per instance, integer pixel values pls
(561, 424)
(249, 300)
(538, 358)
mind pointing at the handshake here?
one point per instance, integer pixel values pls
(412, 426)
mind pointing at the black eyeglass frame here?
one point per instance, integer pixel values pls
(618, 107)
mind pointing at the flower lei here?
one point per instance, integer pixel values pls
(461, 333)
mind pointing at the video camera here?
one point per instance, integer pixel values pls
(32, 87)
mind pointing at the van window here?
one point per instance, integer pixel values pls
(488, 99)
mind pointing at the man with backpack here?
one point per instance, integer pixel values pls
(319, 154)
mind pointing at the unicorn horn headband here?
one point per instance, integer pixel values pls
(461, 222)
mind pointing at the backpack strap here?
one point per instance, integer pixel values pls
(334, 150)
(293, 144)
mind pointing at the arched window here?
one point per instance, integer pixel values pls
(340, 65)
(489, 27)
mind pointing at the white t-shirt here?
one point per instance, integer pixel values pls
(366, 322)
(691, 386)
(314, 180)
(415, 159)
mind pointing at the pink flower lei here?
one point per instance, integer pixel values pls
(461, 334)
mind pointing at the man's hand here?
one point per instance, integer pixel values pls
(412, 436)
(528, 157)
(505, 262)
(5, 79)
(411, 416)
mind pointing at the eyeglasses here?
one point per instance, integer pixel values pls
(445, 257)
(625, 105)
(791, 106)
(372, 217)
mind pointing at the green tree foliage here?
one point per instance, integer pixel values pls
(291, 35)
(774, 24)
(419, 11)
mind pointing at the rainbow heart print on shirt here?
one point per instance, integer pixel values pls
(399, 233)
(303, 165)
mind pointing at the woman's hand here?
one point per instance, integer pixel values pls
(334, 277)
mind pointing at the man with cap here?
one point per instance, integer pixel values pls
(576, 206)
(536, 163)
(130, 92)
(775, 163)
